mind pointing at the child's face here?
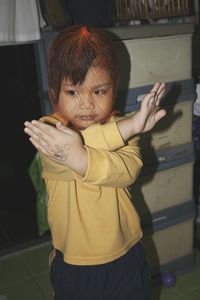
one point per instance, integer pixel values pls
(88, 103)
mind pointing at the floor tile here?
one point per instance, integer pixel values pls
(195, 295)
(26, 290)
(12, 270)
(36, 260)
(162, 293)
(189, 281)
(43, 282)
(169, 294)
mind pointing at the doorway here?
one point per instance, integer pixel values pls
(19, 102)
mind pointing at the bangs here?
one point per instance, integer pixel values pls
(79, 59)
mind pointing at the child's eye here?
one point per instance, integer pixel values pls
(100, 92)
(72, 93)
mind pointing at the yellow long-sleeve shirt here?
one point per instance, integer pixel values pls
(92, 218)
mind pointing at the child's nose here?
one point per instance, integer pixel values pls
(87, 102)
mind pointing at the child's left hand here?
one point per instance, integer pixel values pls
(149, 113)
(60, 144)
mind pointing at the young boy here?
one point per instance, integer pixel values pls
(90, 158)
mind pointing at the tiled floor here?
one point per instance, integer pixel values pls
(24, 275)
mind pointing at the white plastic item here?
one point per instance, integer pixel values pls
(197, 101)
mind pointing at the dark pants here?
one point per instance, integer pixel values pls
(126, 278)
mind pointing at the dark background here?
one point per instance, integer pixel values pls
(19, 102)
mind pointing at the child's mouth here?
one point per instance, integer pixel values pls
(86, 118)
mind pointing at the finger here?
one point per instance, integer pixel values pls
(36, 135)
(158, 88)
(60, 126)
(155, 87)
(154, 93)
(151, 99)
(160, 114)
(43, 127)
(39, 147)
(160, 96)
(39, 140)
(64, 129)
(161, 88)
(145, 101)
(32, 129)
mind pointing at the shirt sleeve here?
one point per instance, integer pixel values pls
(53, 170)
(105, 136)
(118, 168)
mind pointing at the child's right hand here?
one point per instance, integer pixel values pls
(61, 144)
